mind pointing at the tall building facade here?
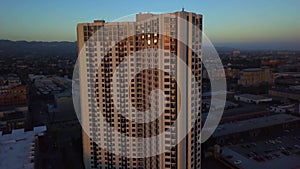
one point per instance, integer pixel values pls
(103, 47)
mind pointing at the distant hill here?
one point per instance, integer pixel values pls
(10, 48)
(35, 48)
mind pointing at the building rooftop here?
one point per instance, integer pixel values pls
(252, 70)
(17, 148)
(207, 94)
(286, 90)
(244, 109)
(253, 97)
(251, 124)
(51, 84)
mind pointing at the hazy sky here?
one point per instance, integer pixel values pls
(225, 21)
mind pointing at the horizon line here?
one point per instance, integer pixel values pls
(218, 45)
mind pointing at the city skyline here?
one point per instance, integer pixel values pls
(258, 23)
(176, 84)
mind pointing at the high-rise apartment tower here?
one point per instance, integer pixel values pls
(155, 42)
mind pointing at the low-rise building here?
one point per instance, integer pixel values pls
(253, 127)
(256, 76)
(19, 149)
(10, 80)
(236, 53)
(285, 93)
(244, 111)
(286, 108)
(206, 103)
(13, 95)
(48, 86)
(14, 118)
(250, 98)
(232, 73)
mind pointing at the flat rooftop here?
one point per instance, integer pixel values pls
(253, 69)
(253, 97)
(287, 90)
(245, 108)
(251, 124)
(17, 148)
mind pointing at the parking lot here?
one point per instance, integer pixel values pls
(275, 152)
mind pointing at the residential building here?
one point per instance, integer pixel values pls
(149, 31)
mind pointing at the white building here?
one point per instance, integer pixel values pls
(151, 31)
(250, 98)
(17, 150)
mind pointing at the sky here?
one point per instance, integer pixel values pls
(226, 22)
